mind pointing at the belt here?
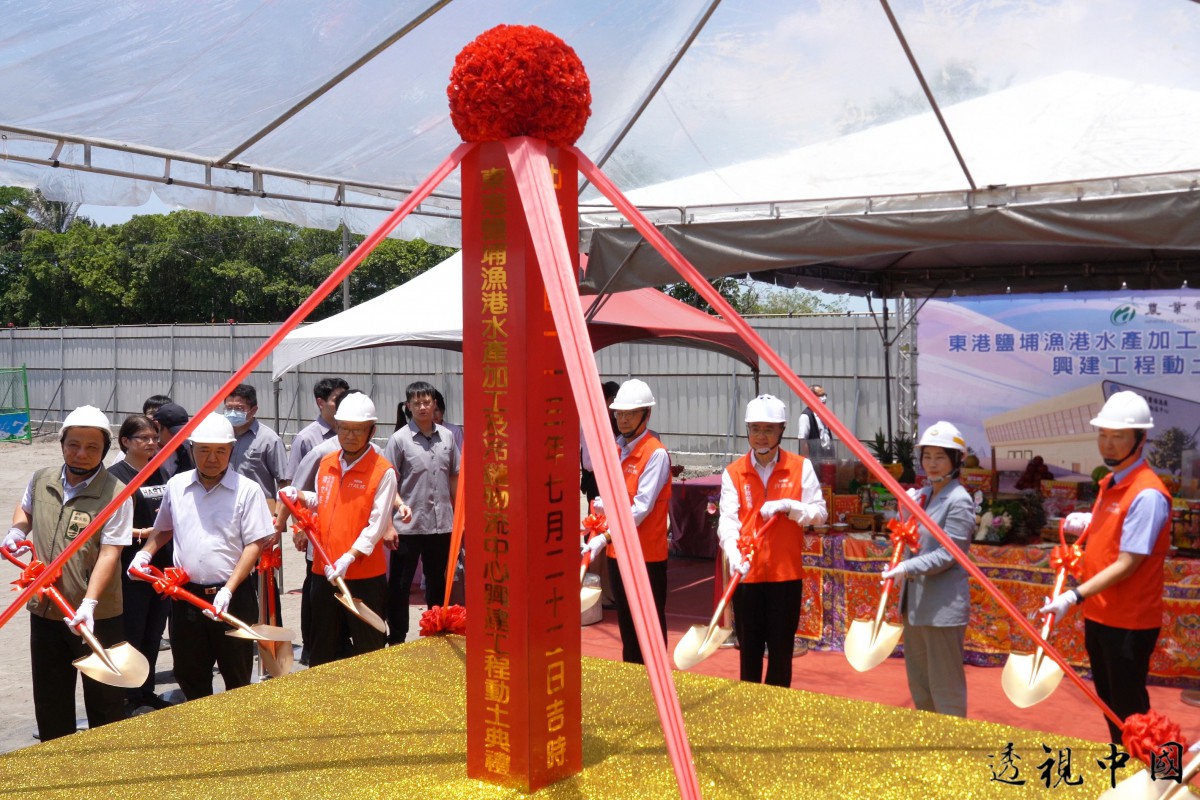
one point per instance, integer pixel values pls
(203, 589)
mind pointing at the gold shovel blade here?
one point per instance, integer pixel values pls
(263, 633)
(132, 666)
(1027, 684)
(358, 608)
(276, 657)
(687, 651)
(867, 648)
(588, 597)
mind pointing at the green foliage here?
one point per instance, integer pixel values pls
(774, 300)
(1167, 449)
(882, 448)
(181, 267)
(741, 297)
(903, 448)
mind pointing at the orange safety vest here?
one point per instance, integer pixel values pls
(1135, 603)
(344, 506)
(652, 533)
(780, 553)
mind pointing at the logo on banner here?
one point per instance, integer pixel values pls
(1122, 315)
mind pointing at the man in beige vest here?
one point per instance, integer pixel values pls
(59, 503)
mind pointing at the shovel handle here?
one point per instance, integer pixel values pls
(737, 578)
(16, 562)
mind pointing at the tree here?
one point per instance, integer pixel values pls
(799, 301)
(1167, 449)
(735, 291)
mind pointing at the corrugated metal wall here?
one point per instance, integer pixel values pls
(700, 395)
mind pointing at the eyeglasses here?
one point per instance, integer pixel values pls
(420, 403)
(147, 439)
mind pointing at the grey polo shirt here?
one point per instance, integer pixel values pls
(259, 454)
(308, 438)
(424, 465)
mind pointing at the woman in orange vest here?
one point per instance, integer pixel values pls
(355, 487)
(766, 482)
(1123, 563)
(646, 467)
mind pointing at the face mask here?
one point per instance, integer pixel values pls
(764, 451)
(83, 472)
(235, 418)
(824, 400)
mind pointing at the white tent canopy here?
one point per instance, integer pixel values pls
(325, 113)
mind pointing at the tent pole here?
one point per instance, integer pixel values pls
(887, 370)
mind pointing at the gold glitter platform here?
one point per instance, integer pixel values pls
(392, 724)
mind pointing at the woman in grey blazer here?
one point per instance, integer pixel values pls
(935, 601)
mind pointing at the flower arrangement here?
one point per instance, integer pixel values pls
(999, 528)
(519, 80)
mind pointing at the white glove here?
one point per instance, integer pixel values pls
(292, 494)
(83, 616)
(895, 572)
(1077, 522)
(593, 547)
(914, 493)
(773, 507)
(220, 604)
(140, 559)
(737, 563)
(1061, 604)
(10, 543)
(337, 569)
(598, 506)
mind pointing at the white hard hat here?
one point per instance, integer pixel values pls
(944, 435)
(632, 394)
(87, 417)
(356, 407)
(213, 429)
(766, 408)
(1125, 410)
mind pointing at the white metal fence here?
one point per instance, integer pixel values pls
(701, 395)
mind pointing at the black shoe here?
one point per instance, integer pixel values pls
(304, 657)
(154, 701)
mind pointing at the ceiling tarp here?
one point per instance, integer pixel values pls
(320, 113)
(404, 315)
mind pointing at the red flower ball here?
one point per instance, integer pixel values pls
(519, 80)
(1146, 733)
(451, 619)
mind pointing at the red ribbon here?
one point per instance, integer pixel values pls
(594, 525)
(451, 619)
(904, 533)
(1067, 557)
(270, 559)
(170, 581)
(29, 573)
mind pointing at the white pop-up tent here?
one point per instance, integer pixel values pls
(428, 311)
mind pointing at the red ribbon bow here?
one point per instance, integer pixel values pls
(170, 581)
(904, 533)
(1068, 557)
(1144, 735)
(270, 559)
(451, 619)
(595, 525)
(30, 573)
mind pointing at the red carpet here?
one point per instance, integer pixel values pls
(1065, 712)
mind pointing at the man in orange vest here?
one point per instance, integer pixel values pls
(1123, 561)
(646, 467)
(768, 481)
(353, 500)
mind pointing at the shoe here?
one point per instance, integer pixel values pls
(800, 647)
(164, 644)
(303, 657)
(154, 701)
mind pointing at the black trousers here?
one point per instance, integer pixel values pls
(52, 648)
(198, 643)
(334, 626)
(145, 612)
(1120, 660)
(433, 551)
(631, 650)
(765, 617)
(306, 629)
